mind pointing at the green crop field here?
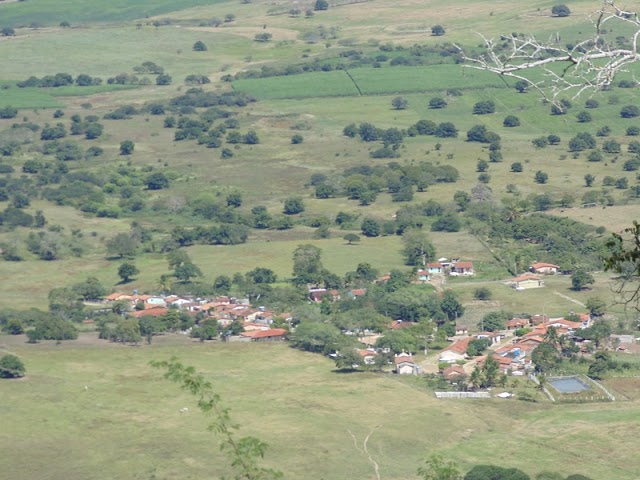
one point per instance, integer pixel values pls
(126, 422)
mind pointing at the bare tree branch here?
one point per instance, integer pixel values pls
(590, 65)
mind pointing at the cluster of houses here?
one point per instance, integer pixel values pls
(225, 310)
(515, 356)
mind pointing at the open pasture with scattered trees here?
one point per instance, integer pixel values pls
(258, 149)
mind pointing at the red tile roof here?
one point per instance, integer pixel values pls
(404, 358)
(543, 265)
(275, 332)
(526, 276)
(467, 265)
(459, 346)
(150, 312)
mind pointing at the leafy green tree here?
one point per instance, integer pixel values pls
(90, 289)
(122, 245)
(494, 321)
(317, 337)
(127, 147)
(436, 468)
(493, 472)
(126, 271)
(157, 181)
(417, 248)
(186, 272)
(199, 46)
(307, 265)
(351, 238)
(399, 103)
(399, 341)
(630, 111)
(436, 103)
(511, 121)
(580, 279)
(451, 306)
(541, 177)
(348, 360)
(589, 179)
(243, 453)
(321, 5)
(437, 30)
(262, 275)
(545, 357)
(521, 86)
(163, 79)
(370, 227)
(560, 11)
(482, 293)
(484, 107)
(293, 205)
(11, 367)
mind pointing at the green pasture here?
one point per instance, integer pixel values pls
(108, 51)
(23, 98)
(93, 410)
(43, 12)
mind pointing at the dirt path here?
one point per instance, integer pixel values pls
(567, 297)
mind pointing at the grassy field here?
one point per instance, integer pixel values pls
(43, 12)
(127, 421)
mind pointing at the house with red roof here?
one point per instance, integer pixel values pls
(462, 268)
(543, 268)
(273, 335)
(453, 373)
(405, 364)
(526, 281)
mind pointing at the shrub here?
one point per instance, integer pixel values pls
(484, 107)
(11, 367)
(437, 102)
(511, 121)
(630, 111)
(560, 11)
(199, 46)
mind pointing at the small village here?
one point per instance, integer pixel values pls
(510, 348)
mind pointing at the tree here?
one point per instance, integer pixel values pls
(521, 86)
(545, 357)
(157, 181)
(234, 199)
(436, 103)
(317, 337)
(493, 472)
(186, 272)
(516, 167)
(243, 453)
(11, 367)
(511, 121)
(580, 279)
(370, 227)
(307, 265)
(90, 289)
(630, 111)
(482, 293)
(399, 103)
(7, 32)
(624, 259)
(589, 179)
(541, 177)
(584, 117)
(348, 360)
(451, 306)
(126, 147)
(163, 79)
(560, 11)
(321, 5)
(199, 46)
(484, 107)
(437, 30)
(417, 248)
(293, 205)
(351, 238)
(436, 468)
(122, 245)
(263, 37)
(297, 139)
(126, 271)
(596, 306)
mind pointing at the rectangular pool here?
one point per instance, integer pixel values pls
(568, 384)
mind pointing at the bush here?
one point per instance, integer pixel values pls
(560, 11)
(437, 102)
(633, 131)
(482, 293)
(297, 139)
(511, 121)
(484, 107)
(321, 5)
(516, 167)
(591, 103)
(630, 111)
(199, 46)
(11, 367)
(584, 117)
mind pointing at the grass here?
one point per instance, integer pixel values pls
(23, 98)
(43, 12)
(316, 84)
(127, 423)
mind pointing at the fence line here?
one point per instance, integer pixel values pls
(463, 395)
(599, 385)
